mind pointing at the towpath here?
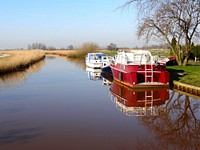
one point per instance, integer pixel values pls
(4, 55)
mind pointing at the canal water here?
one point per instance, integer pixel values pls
(58, 104)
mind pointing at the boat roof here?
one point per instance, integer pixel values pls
(137, 52)
(96, 54)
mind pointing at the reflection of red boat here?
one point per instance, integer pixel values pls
(139, 69)
(138, 102)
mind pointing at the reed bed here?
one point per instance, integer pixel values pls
(65, 53)
(16, 78)
(75, 54)
(19, 59)
(80, 54)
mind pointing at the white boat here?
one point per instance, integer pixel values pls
(98, 60)
(106, 61)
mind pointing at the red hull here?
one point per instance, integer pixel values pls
(135, 75)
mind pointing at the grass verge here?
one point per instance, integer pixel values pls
(185, 74)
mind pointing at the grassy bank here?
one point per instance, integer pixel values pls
(187, 74)
(19, 59)
(75, 54)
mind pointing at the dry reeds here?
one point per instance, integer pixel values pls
(11, 61)
(83, 50)
(65, 53)
(16, 78)
(19, 59)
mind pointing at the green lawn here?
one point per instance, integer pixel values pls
(188, 74)
(109, 52)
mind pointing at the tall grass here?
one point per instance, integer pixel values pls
(16, 78)
(19, 59)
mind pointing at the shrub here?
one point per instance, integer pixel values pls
(84, 49)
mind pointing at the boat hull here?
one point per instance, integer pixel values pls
(134, 76)
(95, 65)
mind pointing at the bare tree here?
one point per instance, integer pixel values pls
(168, 19)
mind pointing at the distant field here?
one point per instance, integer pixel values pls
(60, 52)
(161, 52)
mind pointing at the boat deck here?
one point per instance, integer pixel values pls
(145, 85)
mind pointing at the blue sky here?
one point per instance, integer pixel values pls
(61, 23)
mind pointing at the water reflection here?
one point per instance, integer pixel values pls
(138, 102)
(80, 63)
(170, 117)
(47, 113)
(179, 125)
(18, 131)
(16, 78)
(94, 74)
(106, 82)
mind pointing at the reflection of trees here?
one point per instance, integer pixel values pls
(80, 63)
(15, 78)
(13, 131)
(179, 124)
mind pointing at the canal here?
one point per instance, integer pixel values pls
(57, 104)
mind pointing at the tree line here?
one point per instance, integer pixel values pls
(42, 46)
(172, 20)
(37, 45)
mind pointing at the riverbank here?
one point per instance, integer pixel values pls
(187, 89)
(19, 59)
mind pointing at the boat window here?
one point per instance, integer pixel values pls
(137, 57)
(147, 58)
(122, 67)
(95, 57)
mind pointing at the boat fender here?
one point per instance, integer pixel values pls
(140, 66)
(157, 63)
(147, 57)
(120, 76)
